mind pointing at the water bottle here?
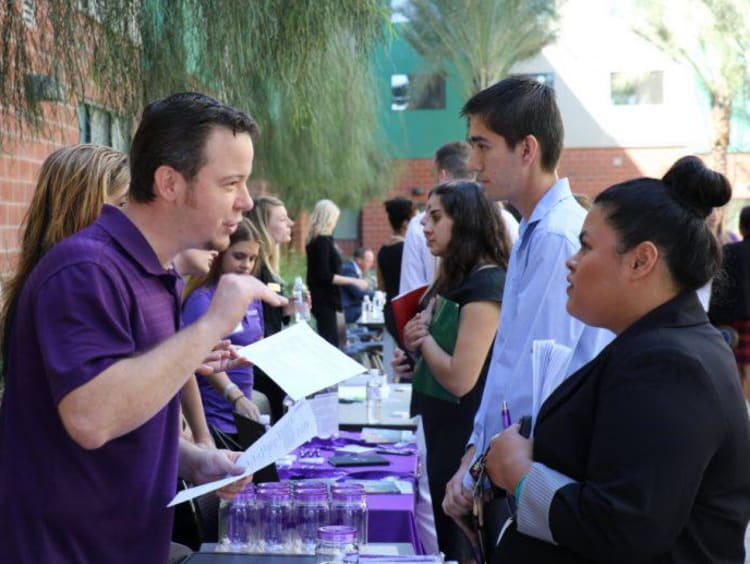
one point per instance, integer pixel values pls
(301, 312)
(336, 544)
(374, 395)
(366, 309)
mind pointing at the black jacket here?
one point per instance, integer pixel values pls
(730, 292)
(655, 432)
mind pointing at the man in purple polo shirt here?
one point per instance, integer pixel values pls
(89, 441)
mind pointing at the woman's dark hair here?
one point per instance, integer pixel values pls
(400, 210)
(478, 234)
(671, 213)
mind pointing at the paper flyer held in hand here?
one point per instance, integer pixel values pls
(300, 361)
(549, 368)
(298, 426)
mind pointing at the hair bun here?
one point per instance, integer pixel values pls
(697, 187)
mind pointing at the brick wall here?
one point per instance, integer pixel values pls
(20, 160)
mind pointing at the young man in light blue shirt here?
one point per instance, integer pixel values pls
(516, 134)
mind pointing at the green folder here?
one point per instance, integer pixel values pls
(444, 329)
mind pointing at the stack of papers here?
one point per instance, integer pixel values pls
(549, 368)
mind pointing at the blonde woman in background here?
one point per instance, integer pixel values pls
(323, 267)
(270, 218)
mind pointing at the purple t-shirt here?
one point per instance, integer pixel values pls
(250, 329)
(96, 298)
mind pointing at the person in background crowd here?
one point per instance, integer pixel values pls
(730, 297)
(224, 393)
(464, 229)
(418, 265)
(642, 455)
(717, 223)
(361, 264)
(399, 210)
(95, 357)
(324, 271)
(516, 134)
(274, 226)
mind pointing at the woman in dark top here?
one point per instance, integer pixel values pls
(643, 454)
(400, 210)
(323, 267)
(464, 229)
(270, 218)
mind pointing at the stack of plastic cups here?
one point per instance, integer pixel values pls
(349, 507)
(238, 522)
(311, 511)
(276, 520)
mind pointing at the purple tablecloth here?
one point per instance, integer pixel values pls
(390, 516)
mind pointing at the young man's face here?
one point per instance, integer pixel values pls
(498, 168)
(217, 195)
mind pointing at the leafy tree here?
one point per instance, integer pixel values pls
(302, 69)
(482, 39)
(713, 37)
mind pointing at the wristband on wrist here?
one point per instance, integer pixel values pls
(238, 398)
(228, 389)
(519, 487)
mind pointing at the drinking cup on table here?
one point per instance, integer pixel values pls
(349, 508)
(311, 512)
(336, 544)
(276, 520)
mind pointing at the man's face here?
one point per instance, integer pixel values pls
(498, 168)
(368, 261)
(216, 197)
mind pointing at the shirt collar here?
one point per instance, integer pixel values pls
(559, 191)
(130, 239)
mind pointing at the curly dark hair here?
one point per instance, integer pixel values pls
(478, 235)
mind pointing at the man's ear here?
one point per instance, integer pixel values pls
(642, 259)
(529, 149)
(167, 183)
(442, 176)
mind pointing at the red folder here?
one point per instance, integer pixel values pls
(405, 307)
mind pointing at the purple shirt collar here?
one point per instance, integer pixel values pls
(130, 238)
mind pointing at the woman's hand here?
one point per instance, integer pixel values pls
(401, 363)
(245, 406)
(509, 458)
(415, 331)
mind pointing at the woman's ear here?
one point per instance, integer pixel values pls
(643, 259)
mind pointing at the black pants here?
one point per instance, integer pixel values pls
(325, 318)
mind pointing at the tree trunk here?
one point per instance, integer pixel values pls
(721, 115)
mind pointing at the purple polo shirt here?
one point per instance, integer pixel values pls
(96, 298)
(219, 411)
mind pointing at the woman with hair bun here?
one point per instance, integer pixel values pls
(642, 455)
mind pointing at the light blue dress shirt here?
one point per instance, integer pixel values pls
(534, 301)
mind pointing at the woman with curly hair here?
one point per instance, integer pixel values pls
(463, 228)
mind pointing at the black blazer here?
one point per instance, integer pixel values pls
(655, 432)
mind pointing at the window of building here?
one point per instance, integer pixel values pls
(636, 88)
(417, 92)
(546, 78)
(102, 127)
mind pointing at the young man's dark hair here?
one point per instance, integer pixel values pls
(454, 159)
(516, 107)
(359, 253)
(173, 132)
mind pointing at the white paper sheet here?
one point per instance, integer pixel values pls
(296, 427)
(300, 361)
(549, 367)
